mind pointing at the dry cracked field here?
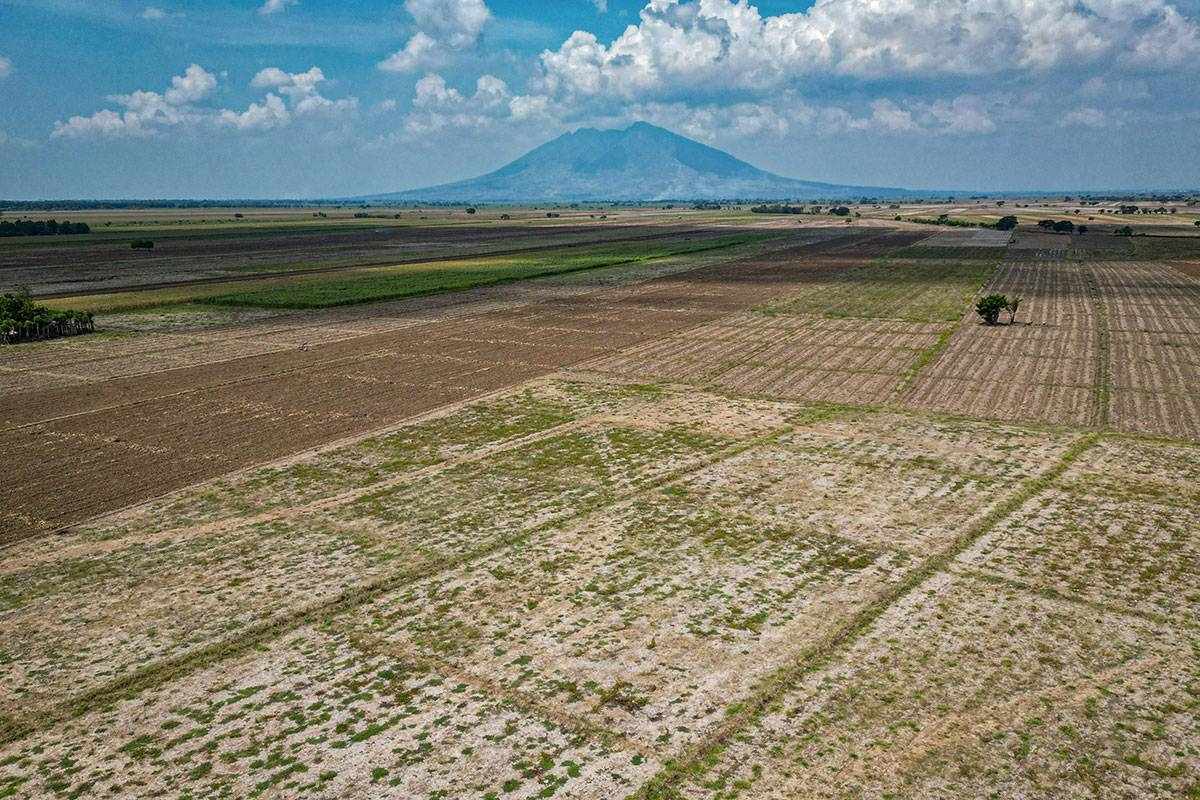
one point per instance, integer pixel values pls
(784, 522)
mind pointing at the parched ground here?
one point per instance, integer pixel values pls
(768, 536)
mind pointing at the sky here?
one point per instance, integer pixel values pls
(320, 98)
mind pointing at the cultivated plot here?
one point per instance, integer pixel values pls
(1117, 532)
(1153, 321)
(1046, 368)
(568, 582)
(969, 689)
(851, 336)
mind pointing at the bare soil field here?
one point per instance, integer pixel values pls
(1035, 245)
(1044, 369)
(784, 521)
(603, 589)
(179, 421)
(1153, 319)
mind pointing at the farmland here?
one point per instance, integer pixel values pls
(700, 506)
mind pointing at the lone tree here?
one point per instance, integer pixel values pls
(1012, 307)
(1006, 223)
(1064, 226)
(990, 306)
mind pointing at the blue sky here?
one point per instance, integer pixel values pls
(315, 98)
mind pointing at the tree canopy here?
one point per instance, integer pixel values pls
(41, 227)
(22, 320)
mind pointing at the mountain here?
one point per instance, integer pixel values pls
(642, 162)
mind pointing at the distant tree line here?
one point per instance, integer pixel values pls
(41, 227)
(837, 211)
(22, 320)
(945, 219)
(1061, 226)
(778, 209)
(1002, 224)
(80, 205)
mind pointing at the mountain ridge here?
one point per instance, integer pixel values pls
(640, 163)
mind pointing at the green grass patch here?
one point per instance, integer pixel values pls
(1157, 248)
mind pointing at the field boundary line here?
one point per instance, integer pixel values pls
(163, 671)
(522, 701)
(697, 758)
(1050, 593)
(908, 380)
(1103, 374)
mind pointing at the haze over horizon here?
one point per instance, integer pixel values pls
(306, 98)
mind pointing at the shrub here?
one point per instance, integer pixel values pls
(142, 244)
(990, 306)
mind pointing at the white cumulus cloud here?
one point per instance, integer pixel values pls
(681, 46)
(421, 51)
(436, 105)
(145, 113)
(142, 113)
(442, 27)
(963, 114)
(301, 90)
(276, 6)
(272, 113)
(193, 85)
(5, 67)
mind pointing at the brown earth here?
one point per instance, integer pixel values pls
(80, 451)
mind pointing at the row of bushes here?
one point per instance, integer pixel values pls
(944, 219)
(41, 227)
(837, 211)
(22, 320)
(1066, 226)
